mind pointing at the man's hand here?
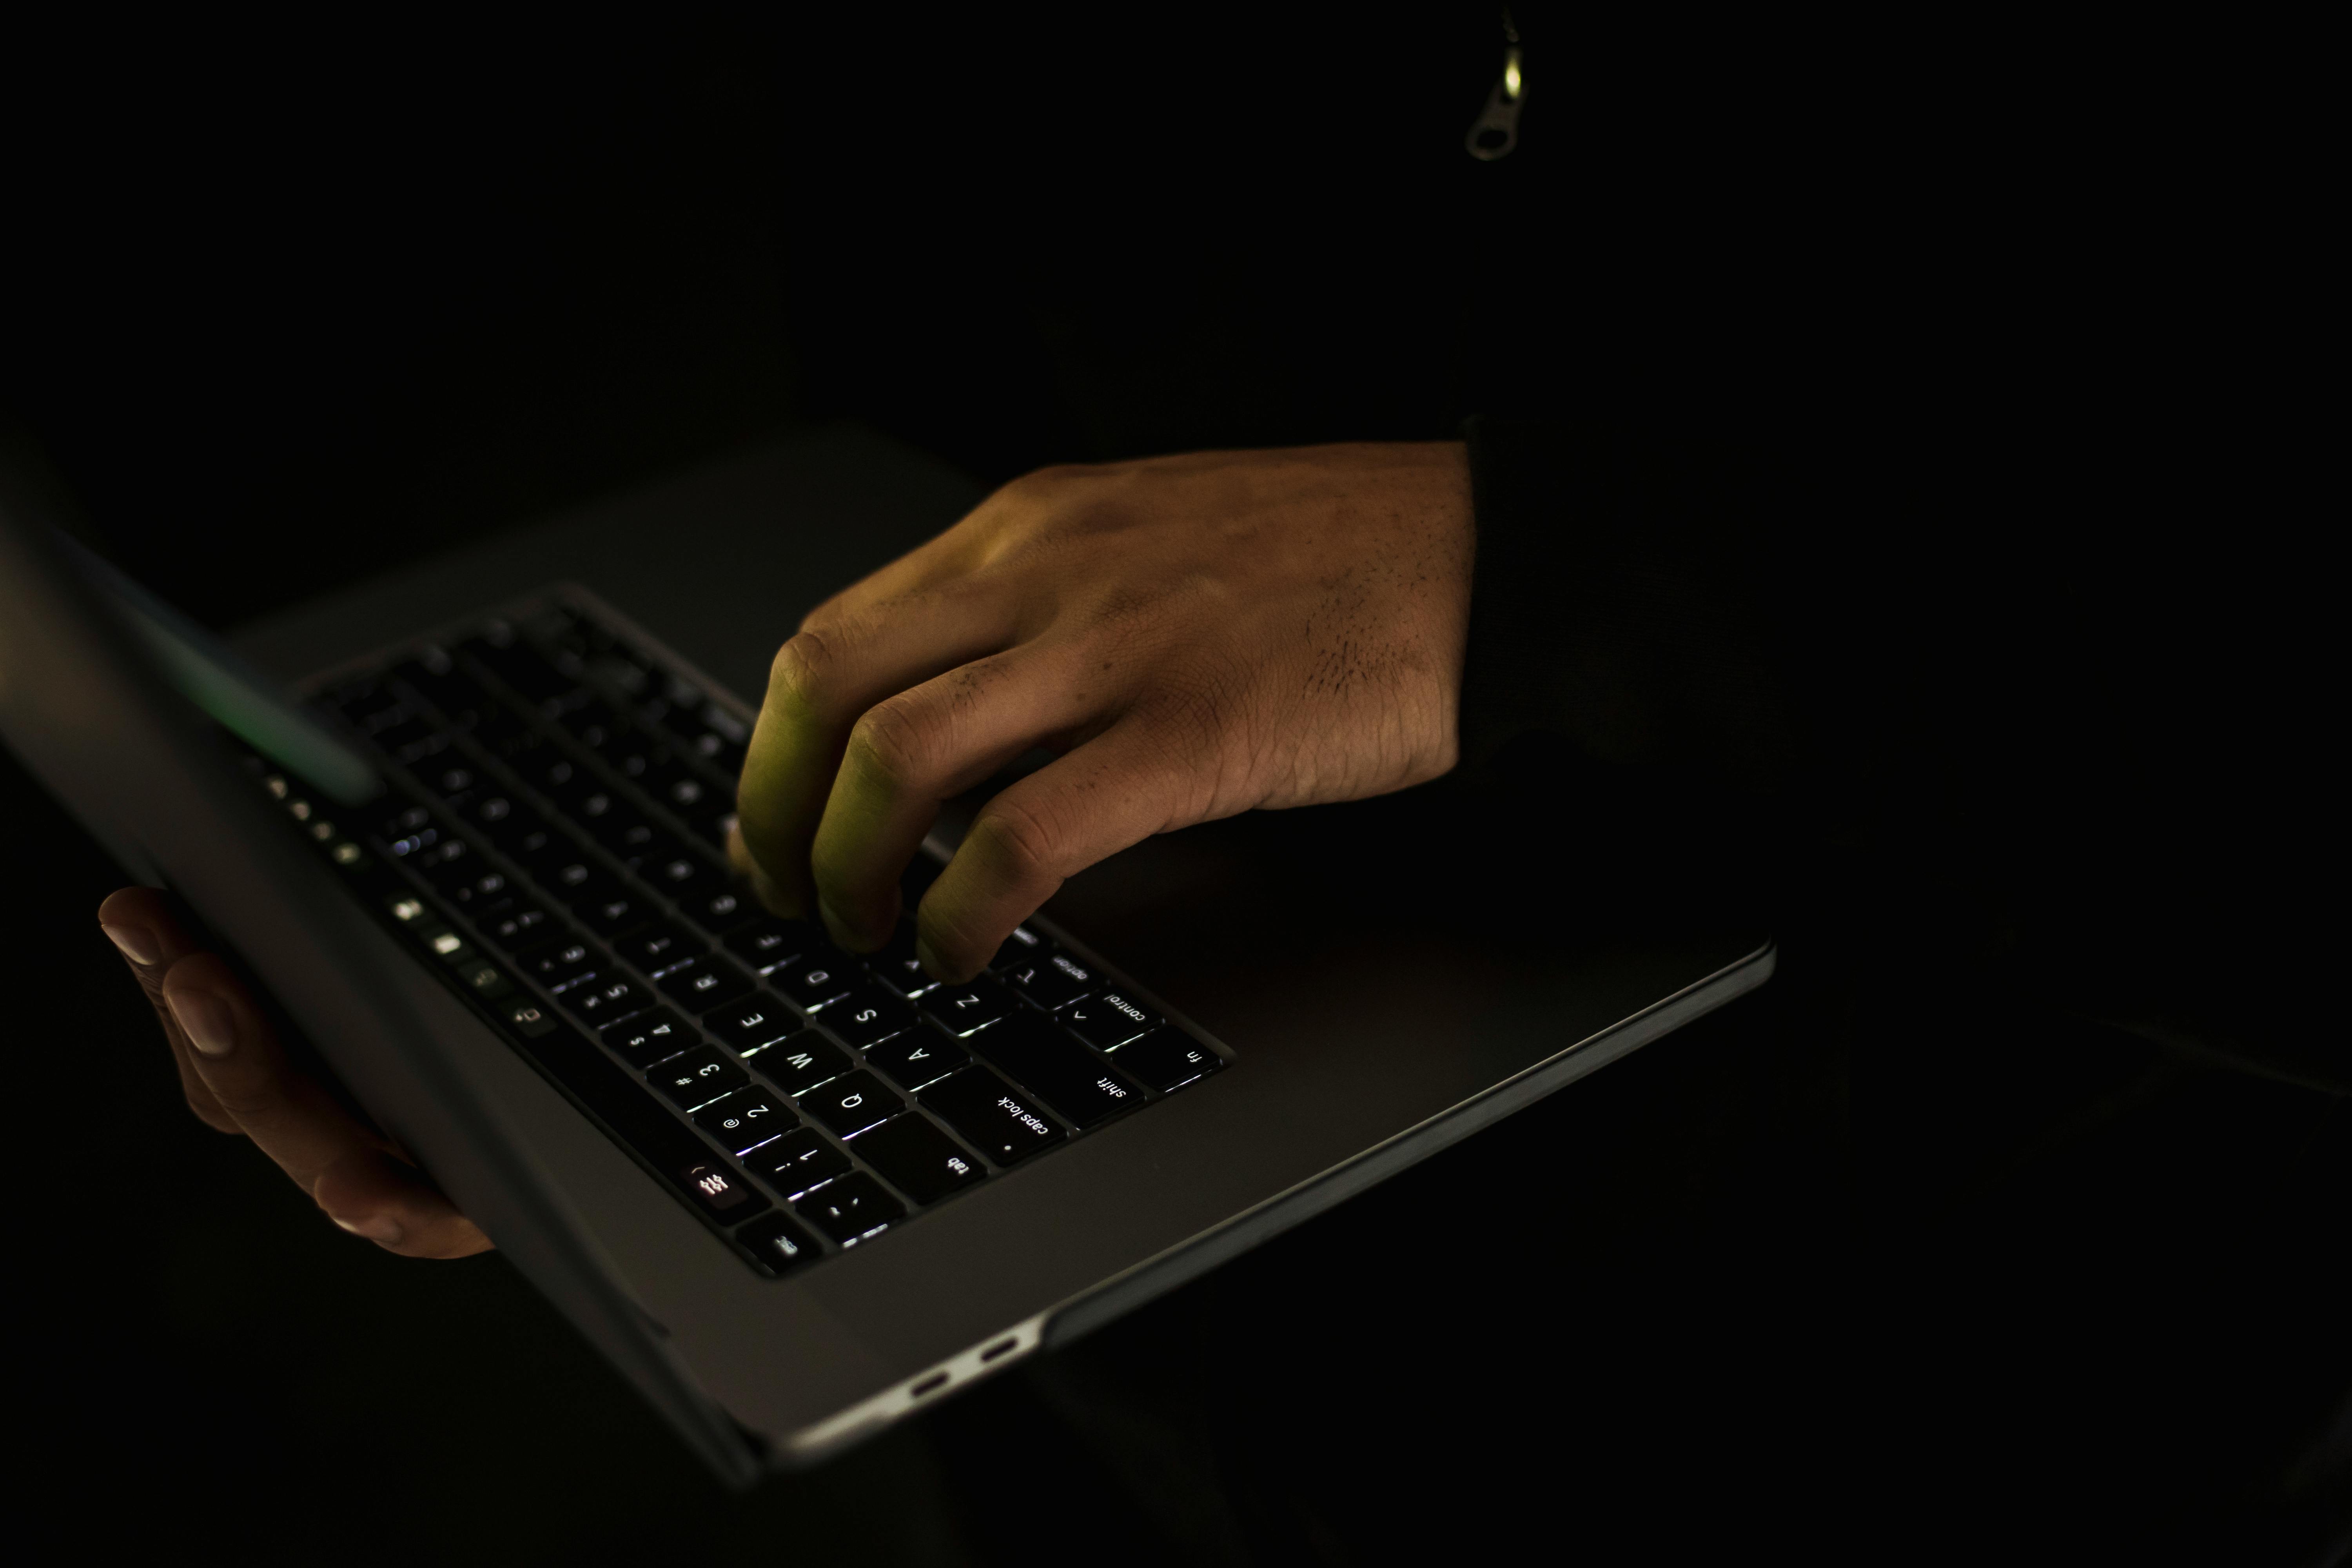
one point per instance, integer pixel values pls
(238, 1079)
(1196, 636)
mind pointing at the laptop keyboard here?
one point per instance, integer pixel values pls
(553, 849)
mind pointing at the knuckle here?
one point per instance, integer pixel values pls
(1039, 483)
(804, 670)
(1015, 837)
(893, 746)
(825, 615)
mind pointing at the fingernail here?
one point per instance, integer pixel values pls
(382, 1229)
(137, 943)
(205, 1021)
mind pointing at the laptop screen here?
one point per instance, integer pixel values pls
(241, 698)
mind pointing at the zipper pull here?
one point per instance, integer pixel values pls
(1497, 130)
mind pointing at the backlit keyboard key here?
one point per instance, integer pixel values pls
(850, 1208)
(556, 964)
(745, 1120)
(770, 941)
(778, 1244)
(700, 984)
(655, 948)
(618, 912)
(517, 926)
(867, 1017)
(1166, 1059)
(680, 877)
(721, 1191)
(696, 1077)
(917, 1058)
(649, 1037)
(852, 1103)
(960, 1009)
(991, 1117)
(598, 1001)
(800, 1064)
(825, 975)
(797, 1160)
(751, 1023)
(1079, 1084)
(722, 911)
(1054, 981)
(1109, 1020)
(916, 1158)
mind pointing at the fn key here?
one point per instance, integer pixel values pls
(1166, 1058)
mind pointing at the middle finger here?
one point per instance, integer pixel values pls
(824, 681)
(913, 751)
(289, 1114)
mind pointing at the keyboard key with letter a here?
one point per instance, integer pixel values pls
(917, 1057)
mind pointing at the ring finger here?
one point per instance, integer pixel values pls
(911, 752)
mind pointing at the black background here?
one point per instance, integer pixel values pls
(289, 303)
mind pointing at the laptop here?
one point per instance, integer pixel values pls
(472, 846)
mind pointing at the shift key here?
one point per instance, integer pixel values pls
(1079, 1085)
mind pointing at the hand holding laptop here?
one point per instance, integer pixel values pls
(1197, 636)
(239, 1079)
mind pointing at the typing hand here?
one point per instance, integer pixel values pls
(1195, 635)
(239, 1078)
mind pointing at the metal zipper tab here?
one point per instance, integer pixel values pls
(1497, 130)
